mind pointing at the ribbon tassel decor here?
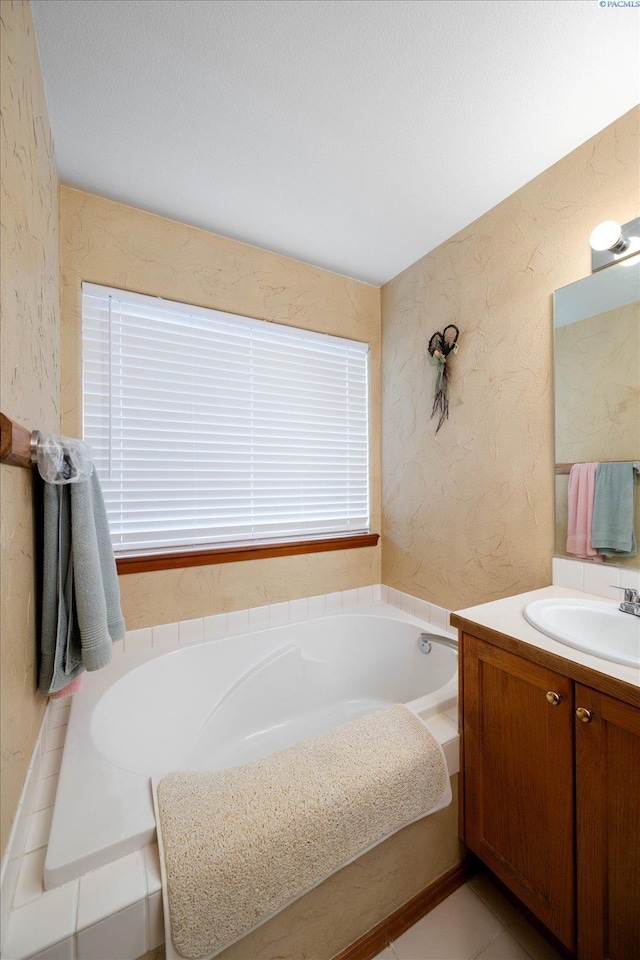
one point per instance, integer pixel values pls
(440, 346)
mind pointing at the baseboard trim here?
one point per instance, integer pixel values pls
(370, 944)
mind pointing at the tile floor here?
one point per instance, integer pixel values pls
(474, 923)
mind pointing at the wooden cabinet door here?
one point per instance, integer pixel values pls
(519, 780)
(608, 827)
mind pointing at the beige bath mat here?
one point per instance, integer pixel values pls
(239, 845)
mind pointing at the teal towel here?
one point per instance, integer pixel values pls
(613, 528)
(81, 614)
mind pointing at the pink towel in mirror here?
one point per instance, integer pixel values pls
(582, 479)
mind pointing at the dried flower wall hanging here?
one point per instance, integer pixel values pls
(440, 346)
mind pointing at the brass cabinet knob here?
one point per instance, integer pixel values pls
(553, 697)
(585, 715)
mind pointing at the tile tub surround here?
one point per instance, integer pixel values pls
(113, 912)
(121, 902)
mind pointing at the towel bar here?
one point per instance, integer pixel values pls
(565, 468)
(17, 444)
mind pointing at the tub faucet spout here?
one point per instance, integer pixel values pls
(426, 639)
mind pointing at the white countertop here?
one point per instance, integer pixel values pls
(506, 616)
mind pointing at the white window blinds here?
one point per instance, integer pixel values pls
(208, 428)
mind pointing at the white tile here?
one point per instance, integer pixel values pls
(8, 887)
(110, 889)
(215, 627)
(442, 727)
(20, 830)
(122, 936)
(58, 713)
(191, 631)
(59, 951)
(446, 733)
(278, 614)
(152, 868)
(298, 609)
(422, 610)
(30, 881)
(135, 640)
(39, 829)
(533, 942)
(32, 781)
(54, 737)
(237, 622)
(333, 602)
(488, 892)
(365, 594)
(165, 636)
(51, 763)
(567, 573)
(384, 593)
(38, 753)
(259, 618)
(597, 580)
(393, 597)
(401, 600)
(57, 705)
(439, 617)
(456, 929)
(452, 714)
(349, 597)
(504, 947)
(117, 649)
(629, 578)
(376, 590)
(317, 606)
(45, 794)
(155, 921)
(451, 750)
(42, 923)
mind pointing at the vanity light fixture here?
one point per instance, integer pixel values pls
(608, 236)
(611, 242)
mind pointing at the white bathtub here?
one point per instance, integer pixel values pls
(221, 703)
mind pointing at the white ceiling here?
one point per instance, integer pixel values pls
(352, 134)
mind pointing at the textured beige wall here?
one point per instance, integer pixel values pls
(113, 244)
(468, 515)
(597, 389)
(29, 372)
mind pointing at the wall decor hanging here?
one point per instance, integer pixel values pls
(440, 346)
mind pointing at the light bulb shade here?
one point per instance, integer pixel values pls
(606, 236)
(612, 243)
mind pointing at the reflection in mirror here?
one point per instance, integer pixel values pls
(597, 386)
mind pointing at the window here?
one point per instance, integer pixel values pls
(211, 429)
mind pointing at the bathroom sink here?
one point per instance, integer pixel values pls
(594, 627)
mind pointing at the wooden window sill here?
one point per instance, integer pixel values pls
(198, 558)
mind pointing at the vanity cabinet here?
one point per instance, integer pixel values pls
(551, 792)
(607, 749)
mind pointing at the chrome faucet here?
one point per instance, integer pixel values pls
(426, 639)
(631, 602)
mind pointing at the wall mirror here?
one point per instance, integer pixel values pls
(597, 382)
